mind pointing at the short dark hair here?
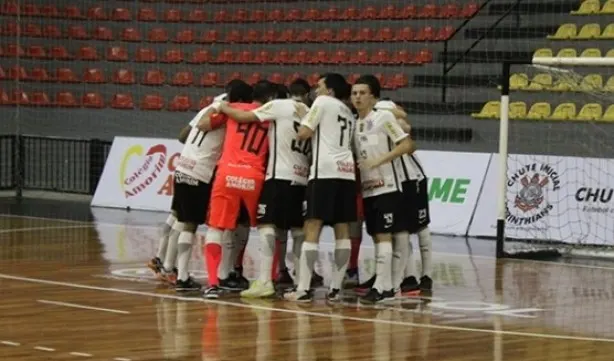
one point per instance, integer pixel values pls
(264, 91)
(239, 91)
(282, 91)
(372, 82)
(300, 87)
(338, 84)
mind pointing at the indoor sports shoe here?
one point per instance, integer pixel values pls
(364, 287)
(284, 279)
(374, 296)
(410, 286)
(155, 264)
(187, 285)
(169, 277)
(212, 292)
(316, 280)
(333, 295)
(426, 283)
(259, 289)
(351, 278)
(299, 296)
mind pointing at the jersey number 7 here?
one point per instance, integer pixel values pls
(344, 125)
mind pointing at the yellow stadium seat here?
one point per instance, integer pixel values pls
(565, 31)
(608, 116)
(591, 111)
(518, 110)
(610, 53)
(519, 81)
(608, 7)
(589, 31)
(609, 85)
(564, 111)
(540, 82)
(490, 110)
(567, 53)
(564, 85)
(608, 32)
(591, 53)
(591, 82)
(543, 53)
(588, 7)
(539, 111)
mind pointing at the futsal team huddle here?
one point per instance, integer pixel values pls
(263, 156)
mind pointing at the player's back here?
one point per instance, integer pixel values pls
(246, 144)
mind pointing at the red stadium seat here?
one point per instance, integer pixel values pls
(157, 35)
(39, 99)
(330, 14)
(325, 36)
(262, 57)
(72, 12)
(77, 32)
(253, 78)
(293, 15)
(146, 14)
(306, 36)
(122, 101)
(320, 57)
(172, 16)
(292, 77)
(359, 57)
(121, 14)
(340, 57)
(240, 16)
(96, 13)
(199, 56)
(130, 34)
(388, 12)
(408, 12)
(275, 16)
(221, 16)
(94, 75)
(123, 76)
(152, 102)
(344, 35)
(205, 101)
(66, 99)
(234, 75)
(184, 36)
(244, 57)
(2, 73)
(286, 36)
(233, 36)
(444, 33)
(363, 35)
(404, 34)
(145, 55)
(302, 57)
(384, 35)
(380, 77)
(209, 79)
(180, 103)
(209, 36)
(87, 53)
(369, 13)
(224, 57)
(11, 29)
(4, 98)
(426, 34)
(424, 56)
(17, 73)
(153, 77)
(398, 81)
(12, 51)
(18, 97)
(311, 15)
(257, 16)
(352, 78)
(39, 74)
(9, 8)
(60, 53)
(449, 11)
(276, 78)
(313, 78)
(401, 57)
(102, 33)
(65, 75)
(282, 57)
(172, 56)
(30, 10)
(183, 78)
(379, 57)
(196, 16)
(428, 11)
(49, 11)
(350, 13)
(92, 100)
(32, 30)
(251, 36)
(117, 53)
(469, 10)
(52, 31)
(36, 52)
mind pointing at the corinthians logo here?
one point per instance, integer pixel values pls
(531, 186)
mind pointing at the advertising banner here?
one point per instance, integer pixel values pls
(138, 174)
(565, 199)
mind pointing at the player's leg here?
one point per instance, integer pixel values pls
(410, 285)
(351, 276)
(169, 270)
(241, 236)
(295, 209)
(279, 256)
(424, 235)
(231, 278)
(155, 264)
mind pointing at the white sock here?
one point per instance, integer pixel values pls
(383, 266)
(184, 246)
(410, 266)
(309, 255)
(166, 230)
(342, 259)
(241, 235)
(267, 250)
(298, 237)
(426, 247)
(228, 255)
(400, 245)
(281, 235)
(171, 251)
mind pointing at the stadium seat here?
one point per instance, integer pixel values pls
(39, 99)
(209, 37)
(145, 55)
(608, 32)
(221, 16)
(313, 78)
(87, 53)
(369, 13)
(96, 13)
(257, 16)
(384, 35)
(283, 57)
(343, 35)
(2, 73)
(428, 11)
(199, 56)
(157, 35)
(152, 102)
(184, 36)
(565, 31)
(172, 16)
(95, 76)
(52, 31)
(153, 77)
(72, 12)
(146, 14)
(305, 36)
(517, 110)
(123, 76)
(38, 74)
(610, 53)
(130, 34)
(445, 33)
(292, 77)
(567, 53)
(540, 82)
(588, 7)
(183, 78)
(49, 11)
(424, 56)
(591, 53)
(325, 36)
(92, 100)
(172, 56)
(490, 110)
(209, 79)
(224, 57)
(233, 36)
(196, 16)
(121, 14)
(32, 30)
(398, 81)
(240, 16)
(276, 78)
(77, 32)
(65, 75)
(608, 115)
(608, 8)
(330, 14)
(590, 112)
(66, 99)
(205, 101)
(36, 52)
(251, 36)
(293, 15)
(262, 57)
(9, 8)
(589, 31)
(539, 111)
(60, 53)
(564, 111)
(543, 53)
(275, 15)
(519, 81)
(379, 57)
(591, 83)
(427, 33)
(363, 35)
(286, 36)
(563, 85)
(17, 73)
(609, 84)
(253, 78)
(102, 33)
(449, 11)
(180, 103)
(117, 53)
(350, 13)
(122, 101)
(18, 97)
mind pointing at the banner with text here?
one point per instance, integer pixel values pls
(565, 199)
(138, 174)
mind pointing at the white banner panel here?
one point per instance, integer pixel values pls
(455, 179)
(564, 199)
(138, 174)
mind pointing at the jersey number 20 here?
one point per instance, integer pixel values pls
(300, 146)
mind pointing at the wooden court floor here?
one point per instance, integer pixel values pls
(80, 291)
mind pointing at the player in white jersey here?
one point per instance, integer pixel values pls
(280, 206)
(331, 188)
(379, 143)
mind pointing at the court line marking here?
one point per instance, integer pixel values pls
(307, 313)
(365, 246)
(10, 343)
(122, 359)
(85, 307)
(30, 229)
(43, 348)
(82, 354)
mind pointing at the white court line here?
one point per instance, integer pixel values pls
(306, 313)
(10, 343)
(43, 348)
(30, 229)
(82, 354)
(369, 246)
(85, 307)
(122, 359)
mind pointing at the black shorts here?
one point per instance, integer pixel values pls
(282, 204)
(190, 199)
(417, 204)
(383, 213)
(332, 201)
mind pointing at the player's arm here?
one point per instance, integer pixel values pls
(310, 121)
(211, 119)
(402, 141)
(241, 116)
(183, 135)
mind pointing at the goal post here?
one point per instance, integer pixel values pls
(552, 204)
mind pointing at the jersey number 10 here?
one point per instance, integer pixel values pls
(254, 137)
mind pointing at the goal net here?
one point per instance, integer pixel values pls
(556, 158)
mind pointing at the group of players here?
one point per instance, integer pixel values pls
(264, 157)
